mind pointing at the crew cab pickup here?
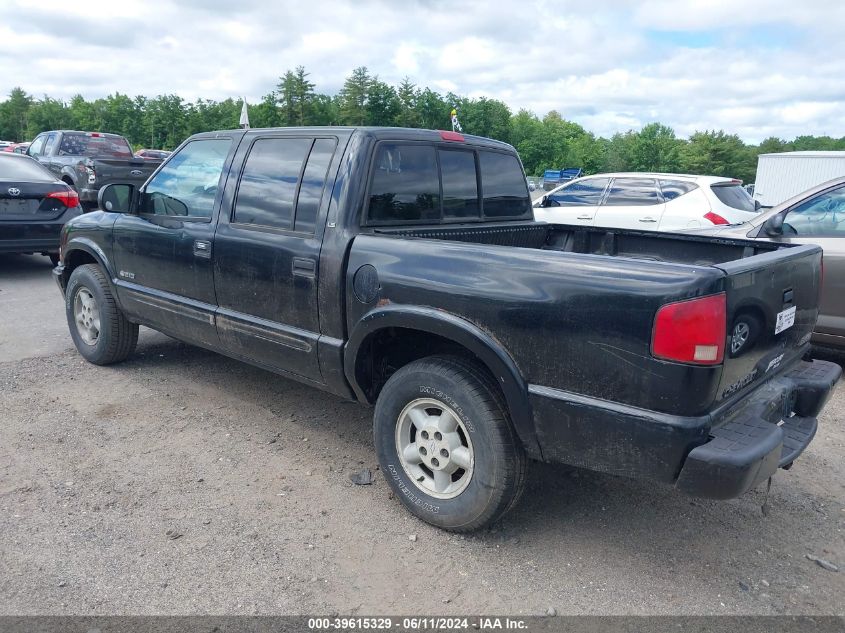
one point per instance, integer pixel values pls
(88, 160)
(403, 269)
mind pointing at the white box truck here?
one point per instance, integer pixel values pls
(783, 175)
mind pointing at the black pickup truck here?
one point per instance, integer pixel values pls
(88, 160)
(403, 269)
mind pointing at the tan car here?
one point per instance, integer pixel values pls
(816, 216)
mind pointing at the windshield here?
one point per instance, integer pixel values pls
(94, 146)
(735, 196)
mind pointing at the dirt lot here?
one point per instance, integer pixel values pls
(183, 482)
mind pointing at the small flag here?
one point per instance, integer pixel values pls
(456, 126)
(244, 122)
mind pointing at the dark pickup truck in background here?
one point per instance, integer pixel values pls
(403, 268)
(88, 160)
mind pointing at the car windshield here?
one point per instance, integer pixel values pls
(735, 196)
(20, 168)
(94, 146)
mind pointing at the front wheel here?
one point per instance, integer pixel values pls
(446, 444)
(97, 326)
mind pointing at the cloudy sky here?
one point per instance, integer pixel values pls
(756, 68)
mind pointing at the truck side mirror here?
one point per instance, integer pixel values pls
(773, 227)
(116, 198)
(757, 205)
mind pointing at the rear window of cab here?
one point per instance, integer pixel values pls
(419, 183)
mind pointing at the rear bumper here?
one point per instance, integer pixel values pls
(750, 445)
(718, 456)
(41, 245)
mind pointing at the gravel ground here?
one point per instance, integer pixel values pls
(182, 482)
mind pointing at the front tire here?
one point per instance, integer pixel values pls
(446, 444)
(99, 330)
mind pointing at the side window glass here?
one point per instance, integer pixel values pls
(187, 185)
(313, 183)
(675, 188)
(267, 192)
(37, 146)
(48, 146)
(632, 192)
(822, 216)
(404, 186)
(503, 186)
(579, 194)
(460, 185)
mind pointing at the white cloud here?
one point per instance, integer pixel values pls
(602, 65)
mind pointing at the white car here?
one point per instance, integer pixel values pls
(655, 202)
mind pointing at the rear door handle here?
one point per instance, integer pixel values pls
(585, 217)
(304, 267)
(202, 248)
(647, 220)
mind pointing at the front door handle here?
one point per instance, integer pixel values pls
(650, 220)
(202, 248)
(585, 217)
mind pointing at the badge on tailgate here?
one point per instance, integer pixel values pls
(785, 320)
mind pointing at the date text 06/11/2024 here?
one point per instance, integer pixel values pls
(416, 623)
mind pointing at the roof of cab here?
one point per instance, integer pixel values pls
(379, 133)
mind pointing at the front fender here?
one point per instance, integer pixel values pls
(466, 334)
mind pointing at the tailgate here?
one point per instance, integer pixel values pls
(135, 170)
(775, 296)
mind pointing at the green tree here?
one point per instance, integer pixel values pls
(432, 110)
(486, 117)
(14, 114)
(354, 97)
(295, 94)
(47, 114)
(655, 148)
(383, 105)
(715, 153)
(407, 94)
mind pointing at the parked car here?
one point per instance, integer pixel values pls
(152, 154)
(816, 216)
(33, 207)
(554, 177)
(17, 148)
(88, 160)
(647, 201)
(403, 269)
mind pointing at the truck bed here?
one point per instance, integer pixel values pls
(663, 247)
(557, 295)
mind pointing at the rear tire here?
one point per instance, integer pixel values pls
(446, 444)
(97, 326)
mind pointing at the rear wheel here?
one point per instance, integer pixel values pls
(446, 444)
(97, 326)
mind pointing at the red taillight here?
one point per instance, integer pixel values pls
(452, 136)
(715, 218)
(691, 331)
(68, 198)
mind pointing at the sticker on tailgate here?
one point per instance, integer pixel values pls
(786, 319)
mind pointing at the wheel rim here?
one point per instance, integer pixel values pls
(434, 448)
(739, 337)
(86, 313)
